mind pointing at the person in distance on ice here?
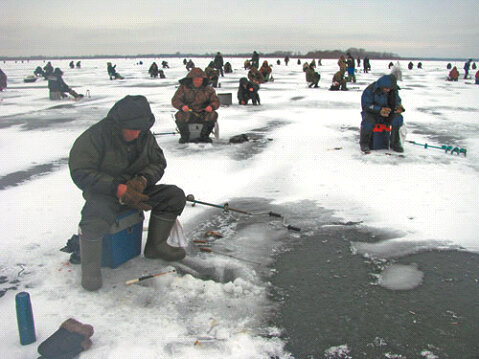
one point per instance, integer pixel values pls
(153, 70)
(112, 71)
(3, 80)
(58, 87)
(312, 76)
(453, 74)
(197, 103)
(467, 66)
(339, 82)
(212, 74)
(117, 163)
(477, 77)
(248, 91)
(381, 104)
(266, 71)
(218, 63)
(255, 76)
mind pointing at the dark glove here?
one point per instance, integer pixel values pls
(137, 183)
(135, 199)
(68, 341)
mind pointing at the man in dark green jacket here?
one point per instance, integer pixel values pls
(117, 163)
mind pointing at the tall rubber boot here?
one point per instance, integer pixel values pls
(184, 132)
(365, 139)
(90, 254)
(396, 140)
(156, 247)
(206, 130)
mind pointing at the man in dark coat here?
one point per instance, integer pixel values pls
(381, 104)
(48, 68)
(248, 91)
(58, 87)
(467, 66)
(218, 63)
(196, 102)
(286, 60)
(111, 69)
(3, 80)
(366, 65)
(255, 60)
(153, 70)
(351, 69)
(117, 163)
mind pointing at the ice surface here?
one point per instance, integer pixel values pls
(429, 198)
(401, 277)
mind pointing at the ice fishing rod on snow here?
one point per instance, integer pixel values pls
(446, 148)
(132, 281)
(164, 133)
(226, 208)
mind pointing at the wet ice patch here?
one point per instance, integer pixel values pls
(401, 277)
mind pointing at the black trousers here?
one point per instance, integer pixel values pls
(100, 211)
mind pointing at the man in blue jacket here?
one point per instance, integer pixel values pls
(381, 104)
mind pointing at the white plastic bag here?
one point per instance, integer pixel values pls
(177, 236)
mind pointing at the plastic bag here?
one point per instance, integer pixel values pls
(177, 236)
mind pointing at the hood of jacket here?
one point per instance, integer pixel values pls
(387, 81)
(133, 113)
(195, 72)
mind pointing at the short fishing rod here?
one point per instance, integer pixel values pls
(164, 133)
(226, 208)
(446, 148)
(140, 279)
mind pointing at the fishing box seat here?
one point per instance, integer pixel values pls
(381, 137)
(123, 242)
(195, 130)
(226, 99)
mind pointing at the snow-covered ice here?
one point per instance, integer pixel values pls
(307, 150)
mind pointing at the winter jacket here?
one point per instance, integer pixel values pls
(374, 98)
(311, 75)
(454, 74)
(250, 91)
(218, 62)
(100, 159)
(265, 69)
(196, 99)
(3, 80)
(339, 77)
(255, 76)
(342, 63)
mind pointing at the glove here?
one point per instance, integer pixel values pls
(135, 199)
(137, 183)
(185, 108)
(208, 109)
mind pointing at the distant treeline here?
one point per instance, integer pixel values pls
(320, 54)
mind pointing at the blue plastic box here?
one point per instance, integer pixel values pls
(124, 240)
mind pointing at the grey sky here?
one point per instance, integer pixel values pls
(410, 28)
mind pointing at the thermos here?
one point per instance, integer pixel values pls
(26, 327)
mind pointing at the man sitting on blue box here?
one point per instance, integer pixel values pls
(381, 104)
(117, 163)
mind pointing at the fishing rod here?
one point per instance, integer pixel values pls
(140, 279)
(209, 250)
(164, 133)
(226, 208)
(453, 149)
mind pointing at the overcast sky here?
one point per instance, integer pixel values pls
(429, 28)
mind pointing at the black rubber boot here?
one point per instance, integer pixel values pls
(156, 247)
(205, 132)
(365, 139)
(184, 132)
(396, 140)
(90, 254)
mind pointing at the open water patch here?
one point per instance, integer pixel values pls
(422, 299)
